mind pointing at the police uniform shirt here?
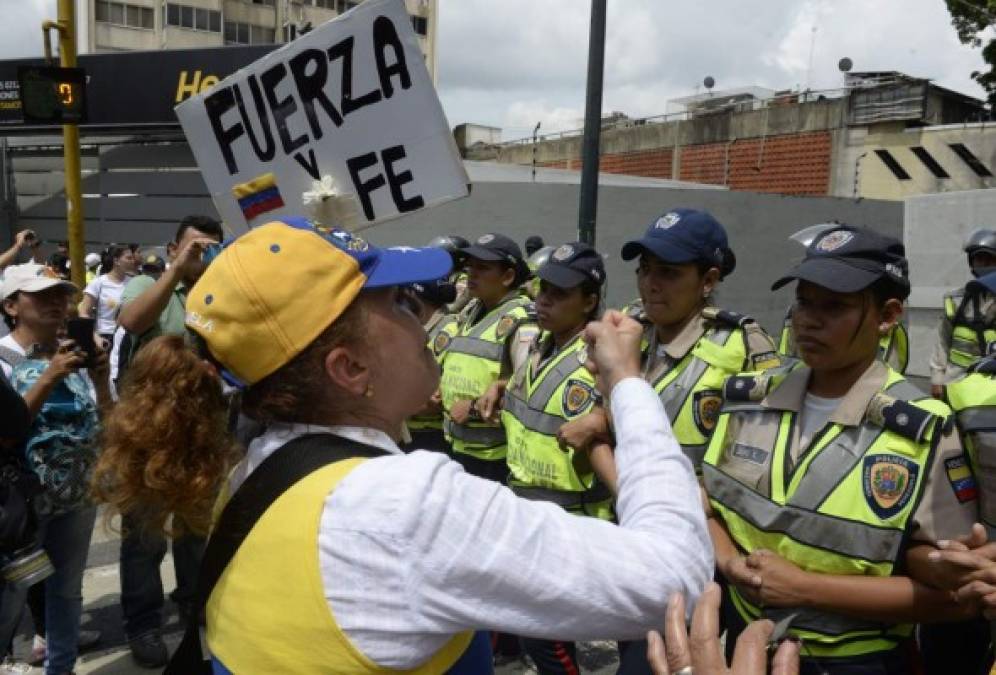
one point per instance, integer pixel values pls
(942, 370)
(940, 515)
(661, 358)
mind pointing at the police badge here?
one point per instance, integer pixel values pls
(577, 397)
(705, 409)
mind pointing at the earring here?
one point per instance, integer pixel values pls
(369, 392)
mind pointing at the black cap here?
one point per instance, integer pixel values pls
(495, 248)
(571, 265)
(848, 259)
(436, 293)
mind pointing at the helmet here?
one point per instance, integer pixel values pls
(540, 257)
(92, 260)
(808, 235)
(981, 240)
(449, 242)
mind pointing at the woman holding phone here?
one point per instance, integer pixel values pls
(61, 447)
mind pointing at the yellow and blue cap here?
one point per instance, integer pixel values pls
(273, 290)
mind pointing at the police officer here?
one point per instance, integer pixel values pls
(893, 348)
(426, 428)
(494, 335)
(453, 244)
(689, 345)
(551, 387)
(968, 325)
(826, 478)
(964, 647)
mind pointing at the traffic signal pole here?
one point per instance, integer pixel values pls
(66, 27)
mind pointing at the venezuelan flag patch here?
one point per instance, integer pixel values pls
(961, 478)
(258, 196)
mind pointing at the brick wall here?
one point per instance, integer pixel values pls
(795, 164)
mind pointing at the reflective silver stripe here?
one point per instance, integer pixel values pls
(487, 436)
(491, 351)
(532, 419)
(695, 453)
(552, 380)
(674, 395)
(905, 390)
(833, 463)
(982, 418)
(848, 538)
(498, 313)
(825, 623)
(965, 346)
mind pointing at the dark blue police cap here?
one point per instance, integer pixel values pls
(681, 236)
(848, 259)
(571, 265)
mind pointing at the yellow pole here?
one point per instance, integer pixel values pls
(71, 142)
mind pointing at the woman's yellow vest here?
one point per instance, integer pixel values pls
(268, 612)
(845, 507)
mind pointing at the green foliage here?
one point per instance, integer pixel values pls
(971, 18)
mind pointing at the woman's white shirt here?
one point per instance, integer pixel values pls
(413, 550)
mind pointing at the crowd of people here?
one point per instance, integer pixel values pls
(374, 459)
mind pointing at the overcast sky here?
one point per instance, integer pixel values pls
(512, 63)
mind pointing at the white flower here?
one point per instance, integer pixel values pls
(321, 190)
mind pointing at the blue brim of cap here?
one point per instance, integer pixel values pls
(667, 250)
(984, 283)
(831, 273)
(402, 266)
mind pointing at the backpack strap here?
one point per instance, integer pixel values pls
(275, 475)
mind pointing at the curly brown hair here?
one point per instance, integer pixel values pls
(166, 447)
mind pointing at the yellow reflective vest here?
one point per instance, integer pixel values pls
(973, 400)
(893, 348)
(268, 612)
(439, 333)
(540, 398)
(971, 336)
(473, 361)
(691, 389)
(845, 507)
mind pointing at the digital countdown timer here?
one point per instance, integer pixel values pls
(52, 95)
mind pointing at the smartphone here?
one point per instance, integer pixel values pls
(211, 252)
(80, 331)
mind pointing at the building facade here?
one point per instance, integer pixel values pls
(112, 25)
(883, 136)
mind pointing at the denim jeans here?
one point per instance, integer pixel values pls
(142, 553)
(66, 540)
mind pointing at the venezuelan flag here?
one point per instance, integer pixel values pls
(258, 196)
(961, 478)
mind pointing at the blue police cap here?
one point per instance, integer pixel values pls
(681, 236)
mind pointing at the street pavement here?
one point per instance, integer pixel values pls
(102, 611)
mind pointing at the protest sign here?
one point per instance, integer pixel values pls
(342, 124)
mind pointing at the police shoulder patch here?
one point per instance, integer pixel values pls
(441, 342)
(888, 482)
(961, 478)
(505, 326)
(577, 397)
(706, 405)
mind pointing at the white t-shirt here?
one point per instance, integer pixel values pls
(107, 293)
(816, 412)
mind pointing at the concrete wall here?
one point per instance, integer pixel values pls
(936, 227)
(758, 225)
